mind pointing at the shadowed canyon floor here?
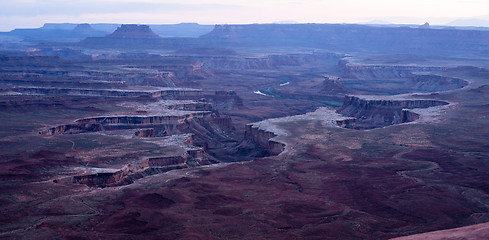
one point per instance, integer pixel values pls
(239, 143)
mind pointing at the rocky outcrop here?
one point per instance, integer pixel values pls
(145, 167)
(194, 106)
(435, 83)
(166, 93)
(224, 122)
(266, 132)
(145, 132)
(209, 126)
(145, 119)
(264, 62)
(263, 138)
(80, 92)
(162, 161)
(152, 70)
(177, 93)
(32, 79)
(408, 116)
(71, 129)
(364, 102)
(227, 62)
(164, 123)
(346, 123)
(98, 179)
(388, 80)
(371, 72)
(376, 112)
(225, 100)
(332, 85)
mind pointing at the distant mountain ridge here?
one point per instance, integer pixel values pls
(415, 39)
(470, 22)
(48, 33)
(351, 37)
(61, 32)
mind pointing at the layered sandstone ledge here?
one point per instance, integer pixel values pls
(267, 132)
(192, 157)
(104, 123)
(163, 114)
(188, 156)
(157, 93)
(160, 122)
(379, 111)
(359, 112)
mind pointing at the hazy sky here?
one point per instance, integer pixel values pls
(34, 13)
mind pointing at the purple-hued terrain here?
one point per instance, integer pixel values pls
(263, 131)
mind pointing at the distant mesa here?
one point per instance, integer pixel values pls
(57, 33)
(133, 31)
(426, 25)
(57, 26)
(349, 37)
(132, 36)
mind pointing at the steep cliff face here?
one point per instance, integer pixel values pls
(199, 106)
(375, 72)
(238, 63)
(408, 116)
(99, 179)
(263, 138)
(163, 161)
(177, 93)
(365, 103)
(396, 79)
(72, 129)
(160, 125)
(224, 122)
(165, 93)
(264, 62)
(166, 119)
(370, 113)
(80, 92)
(433, 83)
(346, 123)
(145, 132)
(332, 85)
(266, 132)
(225, 100)
(143, 168)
